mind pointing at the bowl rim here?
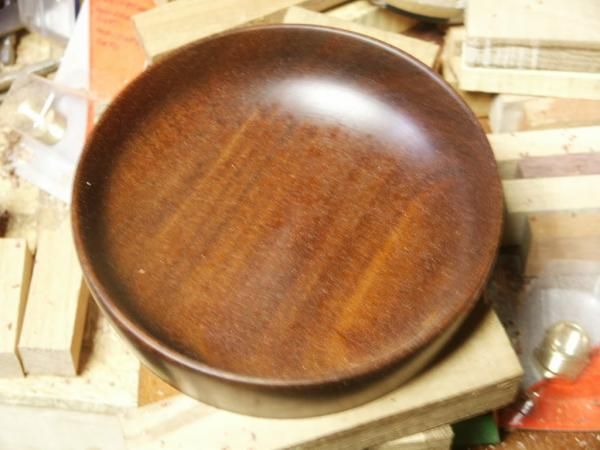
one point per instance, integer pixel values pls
(149, 343)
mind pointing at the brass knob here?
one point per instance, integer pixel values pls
(564, 352)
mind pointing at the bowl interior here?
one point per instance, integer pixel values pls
(289, 204)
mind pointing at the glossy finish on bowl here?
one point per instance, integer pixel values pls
(287, 220)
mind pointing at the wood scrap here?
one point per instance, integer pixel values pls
(15, 272)
(175, 24)
(509, 113)
(479, 374)
(527, 196)
(366, 13)
(423, 51)
(510, 148)
(531, 34)
(551, 83)
(560, 165)
(560, 235)
(108, 382)
(436, 9)
(50, 341)
(152, 389)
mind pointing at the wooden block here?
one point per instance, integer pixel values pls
(511, 113)
(560, 165)
(50, 340)
(15, 272)
(524, 197)
(480, 374)
(550, 22)
(530, 82)
(152, 389)
(422, 50)
(108, 382)
(366, 13)
(510, 148)
(438, 9)
(561, 235)
(174, 24)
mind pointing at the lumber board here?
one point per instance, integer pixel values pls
(481, 372)
(560, 165)
(510, 148)
(31, 428)
(175, 24)
(552, 23)
(50, 341)
(424, 51)
(527, 196)
(529, 82)
(437, 9)
(367, 13)
(510, 113)
(152, 389)
(15, 273)
(560, 236)
(108, 382)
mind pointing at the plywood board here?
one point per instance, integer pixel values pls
(108, 381)
(15, 273)
(510, 148)
(555, 23)
(424, 51)
(52, 331)
(175, 24)
(480, 373)
(562, 235)
(367, 13)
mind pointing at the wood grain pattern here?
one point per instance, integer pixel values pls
(543, 23)
(165, 28)
(15, 273)
(478, 373)
(299, 204)
(426, 52)
(510, 148)
(511, 113)
(527, 196)
(561, 235)
(560, 165)
(107, 382)
(52, 331)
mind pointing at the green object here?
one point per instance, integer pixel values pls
(475, 431)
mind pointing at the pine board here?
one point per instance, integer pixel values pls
(424, 51)
(367, 13)
(175, 24)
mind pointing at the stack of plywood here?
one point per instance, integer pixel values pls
(532, 47)
(67, 375)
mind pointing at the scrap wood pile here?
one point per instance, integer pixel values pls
(528, 70)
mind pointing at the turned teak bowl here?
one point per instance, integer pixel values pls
(287, 220)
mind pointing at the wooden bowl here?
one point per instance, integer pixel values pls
(287, 220)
